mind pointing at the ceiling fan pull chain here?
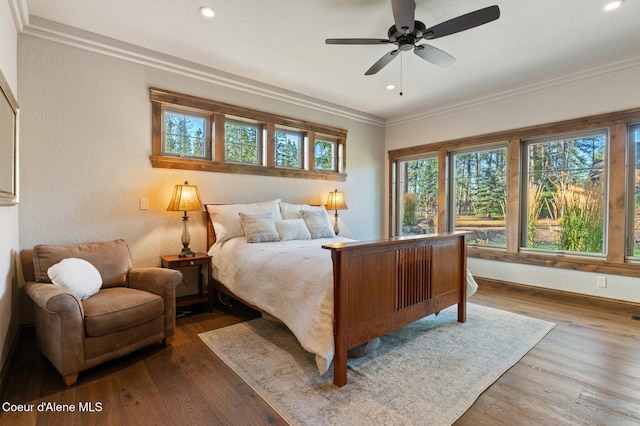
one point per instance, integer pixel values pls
(400, 73)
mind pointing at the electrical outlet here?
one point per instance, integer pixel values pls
(602, 281)
(144, 204)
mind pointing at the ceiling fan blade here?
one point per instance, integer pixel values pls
(434, 55)
(463, 22)
(356, 41)
(404, 14)
(382, 62)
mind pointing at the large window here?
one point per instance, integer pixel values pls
(184, 135)
(193, 133)
(417, 185)
(566, 192)
(633, 220)
(480, 195)
(562, 195)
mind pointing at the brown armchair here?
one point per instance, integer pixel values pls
(134, 307)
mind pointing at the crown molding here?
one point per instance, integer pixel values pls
(448, 108)
(71, 36)
(19, 13)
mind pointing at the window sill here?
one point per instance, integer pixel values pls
(555, 260)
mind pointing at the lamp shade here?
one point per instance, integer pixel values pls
(336, 201)
(185, 198)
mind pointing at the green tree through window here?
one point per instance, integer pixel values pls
(289, 149)
(242, 142)
(325, 155)
(184, 135)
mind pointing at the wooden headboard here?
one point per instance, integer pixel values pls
(211, 233)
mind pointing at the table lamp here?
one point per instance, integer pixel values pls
(185, 198)
(336, 202)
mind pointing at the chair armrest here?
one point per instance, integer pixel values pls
(59, 318)
(160, 281)
(54, 298)
(163, 282)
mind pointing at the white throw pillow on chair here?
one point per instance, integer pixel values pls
(78, 275)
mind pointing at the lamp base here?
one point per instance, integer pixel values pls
(186, 252)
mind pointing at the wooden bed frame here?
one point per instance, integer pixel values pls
(383, 285)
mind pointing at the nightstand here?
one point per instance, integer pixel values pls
(200, 260)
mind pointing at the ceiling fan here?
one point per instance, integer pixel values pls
(407, 32)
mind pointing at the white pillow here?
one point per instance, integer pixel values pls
(259, 228)
(293, 229)
(317, 224)
(226, 222)
(78, 275)
(292, 211)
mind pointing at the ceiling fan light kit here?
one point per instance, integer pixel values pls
(406, 32)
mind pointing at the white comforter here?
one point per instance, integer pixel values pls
(291, 280)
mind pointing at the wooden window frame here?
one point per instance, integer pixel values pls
(217, 112)
(615, 261)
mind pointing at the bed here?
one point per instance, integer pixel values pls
(333, 293)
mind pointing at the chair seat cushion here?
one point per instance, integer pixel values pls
(119, 308)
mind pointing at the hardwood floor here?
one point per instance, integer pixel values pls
(585, 371)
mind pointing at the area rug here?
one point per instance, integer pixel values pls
(427, 373)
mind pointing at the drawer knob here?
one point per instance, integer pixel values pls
(192, 263)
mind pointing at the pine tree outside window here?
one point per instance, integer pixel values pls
(242, 142)
(184, 135)
(479, 195)
(417, 185)
(325, 154)
(289, 148)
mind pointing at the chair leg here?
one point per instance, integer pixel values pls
(167, 340)
(70, 379)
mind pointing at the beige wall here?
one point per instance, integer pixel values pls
(601, 91)
(9, 240)
(86, 145)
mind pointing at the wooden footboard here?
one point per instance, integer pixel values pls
(382, 285)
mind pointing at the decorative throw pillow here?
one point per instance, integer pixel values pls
(293, 229)
(78, 275)
(317, 223)
(259, 228)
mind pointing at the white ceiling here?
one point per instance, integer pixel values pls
(281, 43)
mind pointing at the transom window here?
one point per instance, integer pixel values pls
(325, 154)
(184, 135)
(199, 134)
(289, 148)
(242, 142)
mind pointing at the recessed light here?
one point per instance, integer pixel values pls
(613, 5)
(391, 86)
(207, 12)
